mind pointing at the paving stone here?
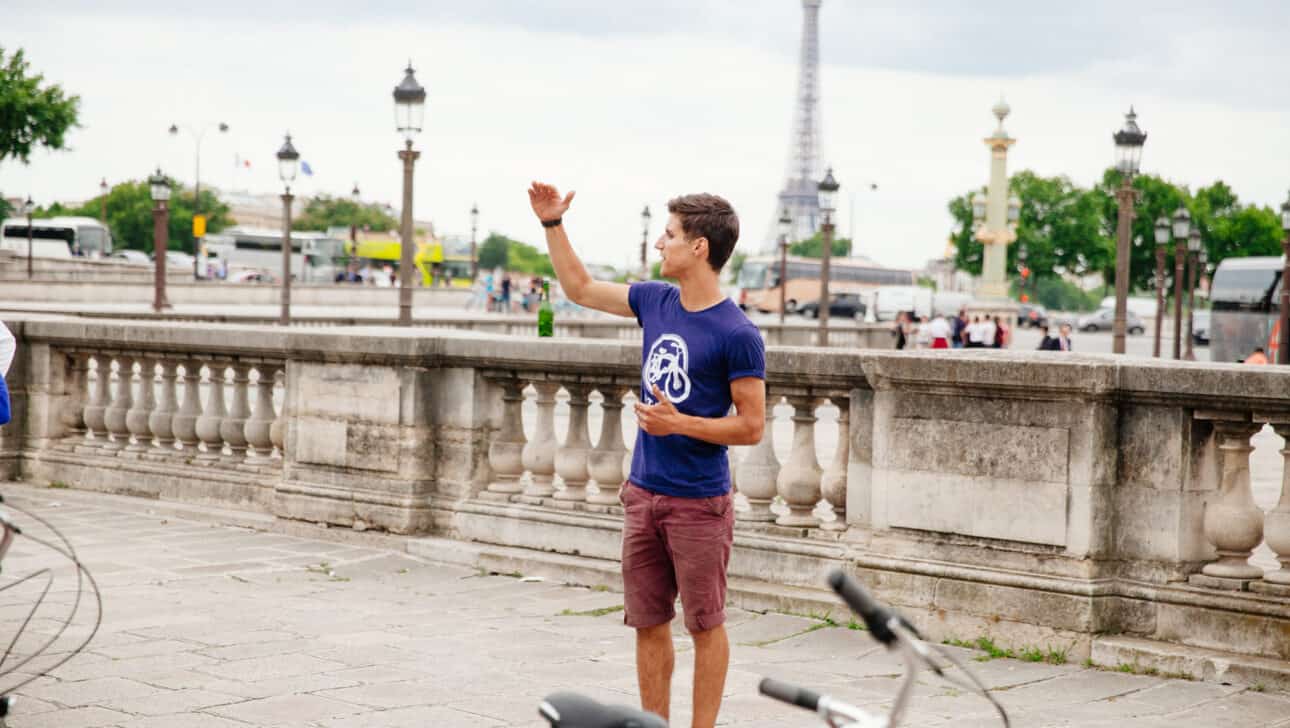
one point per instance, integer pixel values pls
(286, 710)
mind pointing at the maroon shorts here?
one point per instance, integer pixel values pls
(675, 545)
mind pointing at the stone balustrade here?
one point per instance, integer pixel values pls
(1047, 498)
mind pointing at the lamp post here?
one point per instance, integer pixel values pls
(1182, 230)
(828, 190)
(409, 110)
(1128, 151)
(28, 207)
(995, 231)
(1162, 240)
(645, 216)
(1193, 247)
(159, 187)
(103, 191)
(474, 249)
(1283, 342)
(785, 227)
(356, 197)
(197, 135)
(1024, 272)
(288, 165)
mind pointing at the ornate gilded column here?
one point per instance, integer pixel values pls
(759, 470)
(799, 479)
(571, 456)
(506, 451)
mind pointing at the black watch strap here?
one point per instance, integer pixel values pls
(553, 223)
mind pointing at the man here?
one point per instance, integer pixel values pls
(959, 327)
(939, 330)
(1258, 357)
(975, 334)
(1064, 338)
(702, 354)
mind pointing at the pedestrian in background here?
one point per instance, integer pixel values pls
(940, 331)
(898, 330)
(999, 336)
(958, 327)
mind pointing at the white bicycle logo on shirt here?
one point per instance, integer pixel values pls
(667, 366)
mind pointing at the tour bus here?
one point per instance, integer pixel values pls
(1245, 298)
(759, 282)
(435, 267)
(315, 257)
(57, 237)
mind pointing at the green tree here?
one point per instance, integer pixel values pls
(813, 247)
(31, 114)
(325, 211)
(129, 215)
(497, 250)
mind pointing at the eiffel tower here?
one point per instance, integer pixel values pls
(800, 195)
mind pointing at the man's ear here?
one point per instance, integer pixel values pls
(700, 247)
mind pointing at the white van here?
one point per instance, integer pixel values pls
(887, 301)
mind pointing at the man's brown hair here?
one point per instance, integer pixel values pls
(708, 216)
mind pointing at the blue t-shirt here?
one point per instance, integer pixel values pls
(692, 357)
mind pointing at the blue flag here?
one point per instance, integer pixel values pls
(304, 167)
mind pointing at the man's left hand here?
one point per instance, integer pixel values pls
(661, 418)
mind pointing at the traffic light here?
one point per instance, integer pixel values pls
(1025, 298)
(1025, 272)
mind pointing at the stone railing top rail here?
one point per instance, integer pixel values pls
(1026, 375)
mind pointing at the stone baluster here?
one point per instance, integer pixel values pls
(100, 400)
(73, 415)
(1232, 523)
(162, 420)
(1276, 524)
(232, 428)
(834, 484)
(631, 437)
(605, 462)
(799, 479)
(136, 418)
(278, 430)
(539, 453)
(213, 414)
(506, 451)
(758, 472)
(571, 457)
(184, 423)
(114, 415)
(259, 439)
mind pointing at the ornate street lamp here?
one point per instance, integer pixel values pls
(1193, 249)
(828, 190)
(197, 134)
(1162, 240)
(28, 207)
(645, 217)
(288, 165)
(1129, 141)
(785, 228)
(978, 209)
(1283, 342)
(103, 192)
(474, 250)
(159, 187)
(356, 197)
(1182, 230)
(409, 109)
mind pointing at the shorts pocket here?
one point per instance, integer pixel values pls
(718, 506)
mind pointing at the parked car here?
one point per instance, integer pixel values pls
(1200, 326)
(1032, 315)
(1104, 320)
(177, 259)
(251, 275)
(841, 305)
(137, 257)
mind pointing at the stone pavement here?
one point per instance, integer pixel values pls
(214, 626)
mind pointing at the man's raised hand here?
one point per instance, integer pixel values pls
(546, 201)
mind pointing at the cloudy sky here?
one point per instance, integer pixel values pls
(631, 103)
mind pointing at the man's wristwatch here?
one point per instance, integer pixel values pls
(552, 223)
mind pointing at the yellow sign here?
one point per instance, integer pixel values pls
(199, 226)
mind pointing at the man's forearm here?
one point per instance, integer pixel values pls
(728, 430)
(573, 276)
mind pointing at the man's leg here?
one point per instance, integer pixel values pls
(654, 662)
(711, 661)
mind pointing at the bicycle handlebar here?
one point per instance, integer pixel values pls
(791, 694)
(570, 710)
(877, 618)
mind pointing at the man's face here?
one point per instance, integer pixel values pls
(678, 252)
(1066, 329)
